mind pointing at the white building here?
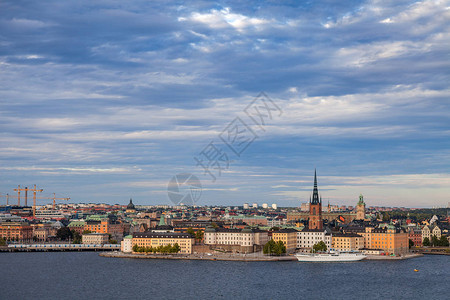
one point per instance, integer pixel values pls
(126, 245)
(246, 206)
(307, 238)
(255, 205)
(265, 205)
(245, 238)
(274, 206)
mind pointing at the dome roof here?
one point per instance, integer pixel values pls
(130, 205)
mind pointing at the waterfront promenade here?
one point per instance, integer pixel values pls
(236, 257)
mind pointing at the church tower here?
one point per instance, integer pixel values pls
(315, 208)
(361, 208)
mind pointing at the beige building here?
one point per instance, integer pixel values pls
(347, 241)
(429, 230)
(244, 240)
(156, 239)
(95, 238)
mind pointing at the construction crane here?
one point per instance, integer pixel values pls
(34, 190)
(8, 196)
(54, 200)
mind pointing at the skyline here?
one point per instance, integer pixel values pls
(107, 101)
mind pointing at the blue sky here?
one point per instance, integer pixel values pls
(101, 101)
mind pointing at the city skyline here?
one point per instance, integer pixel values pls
(103, 102)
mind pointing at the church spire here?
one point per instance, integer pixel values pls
(315, 196)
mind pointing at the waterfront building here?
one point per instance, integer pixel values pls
(390, 239)
(245, 240)
(126, 245)
(347, 241)
(156, 239)
(415, 235)
(307, 238)
(429, 230)
(315, 208)
(361, 209)
(95, 238)
(16, 231)
(288, 237)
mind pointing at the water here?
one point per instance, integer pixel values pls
(85, 275)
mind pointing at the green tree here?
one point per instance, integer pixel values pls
(86, 231)
(280, 248)
(176, 248)
(435, 241)
(76, 237)
(443, 241)
(269, 247)
(2, 242)
(426, 242)
(135, 248)
(320, 246)
(190, 231)
(411, 244)
(64, 233)
(199, 235)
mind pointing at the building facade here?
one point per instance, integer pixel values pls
(16, 231)
(307, 238)
(243, 240)
(95, 238)
(288, 237)
(156, 239)
(347, 241)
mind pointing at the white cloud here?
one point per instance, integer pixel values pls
(219, 19)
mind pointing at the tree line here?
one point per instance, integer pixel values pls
(160, 249)
(442, 242)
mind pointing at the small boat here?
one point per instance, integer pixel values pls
(415, 270)
(331, 256)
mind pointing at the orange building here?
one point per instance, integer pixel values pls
(115, 229)
(389, 239)
(16, 231)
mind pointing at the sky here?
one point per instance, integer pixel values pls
(103, 101)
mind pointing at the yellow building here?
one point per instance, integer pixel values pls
(347, 241)
(156, 239)
(288, 236)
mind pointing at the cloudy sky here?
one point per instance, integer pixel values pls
(101, 101)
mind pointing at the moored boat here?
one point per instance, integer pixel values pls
(331, 256)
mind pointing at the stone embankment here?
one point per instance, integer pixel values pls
(226, 257)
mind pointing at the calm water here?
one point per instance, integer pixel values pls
(85, 275)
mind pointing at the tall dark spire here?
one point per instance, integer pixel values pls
(315, 196)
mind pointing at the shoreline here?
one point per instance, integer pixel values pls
(235, 257)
